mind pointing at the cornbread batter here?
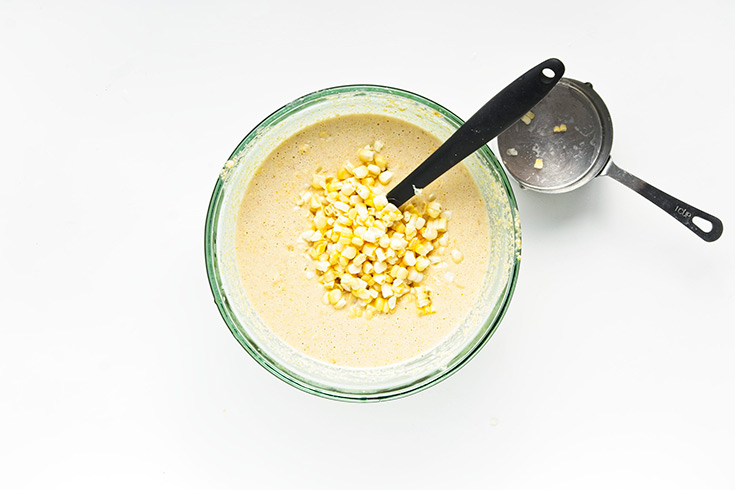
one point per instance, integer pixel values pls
(279, 276)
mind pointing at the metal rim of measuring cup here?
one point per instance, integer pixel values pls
(534, 135)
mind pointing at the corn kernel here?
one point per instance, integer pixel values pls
(320, 221)
(424, 248)
(429, 232)
(528, 117)
(385, 176)
(457, 256)
(318, 182)
(322, 266)
(392, 208)
(422, 263)
(429, 309)
(379, 302)
(373, 235)
(380, 202)
(412, 275)
(360, 172)
(334, 295)
(347, 189)
(402, 273)
(365, 155)
(349, 252)
(398, 243)
(434, 209)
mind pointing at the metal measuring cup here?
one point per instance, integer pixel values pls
(567, 144)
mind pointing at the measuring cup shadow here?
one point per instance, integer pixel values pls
(556, 213)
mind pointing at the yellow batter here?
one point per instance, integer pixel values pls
(278, 275)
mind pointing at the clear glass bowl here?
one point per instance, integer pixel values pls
(348, 383)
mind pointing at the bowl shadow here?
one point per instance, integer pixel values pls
(557, 213)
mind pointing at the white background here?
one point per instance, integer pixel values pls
(612, 369)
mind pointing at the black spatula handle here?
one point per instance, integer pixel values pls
(493, 118)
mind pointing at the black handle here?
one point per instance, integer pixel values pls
(679, 210)
(512, 103)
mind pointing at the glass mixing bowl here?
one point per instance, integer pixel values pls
(350, 383)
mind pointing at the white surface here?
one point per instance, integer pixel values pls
(613, 368)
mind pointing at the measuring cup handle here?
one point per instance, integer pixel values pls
(681, 211)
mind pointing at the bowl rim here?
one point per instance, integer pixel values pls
(281, 372)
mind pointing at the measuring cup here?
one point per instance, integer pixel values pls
(567, 144)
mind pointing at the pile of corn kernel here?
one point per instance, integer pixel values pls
(368, 253)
